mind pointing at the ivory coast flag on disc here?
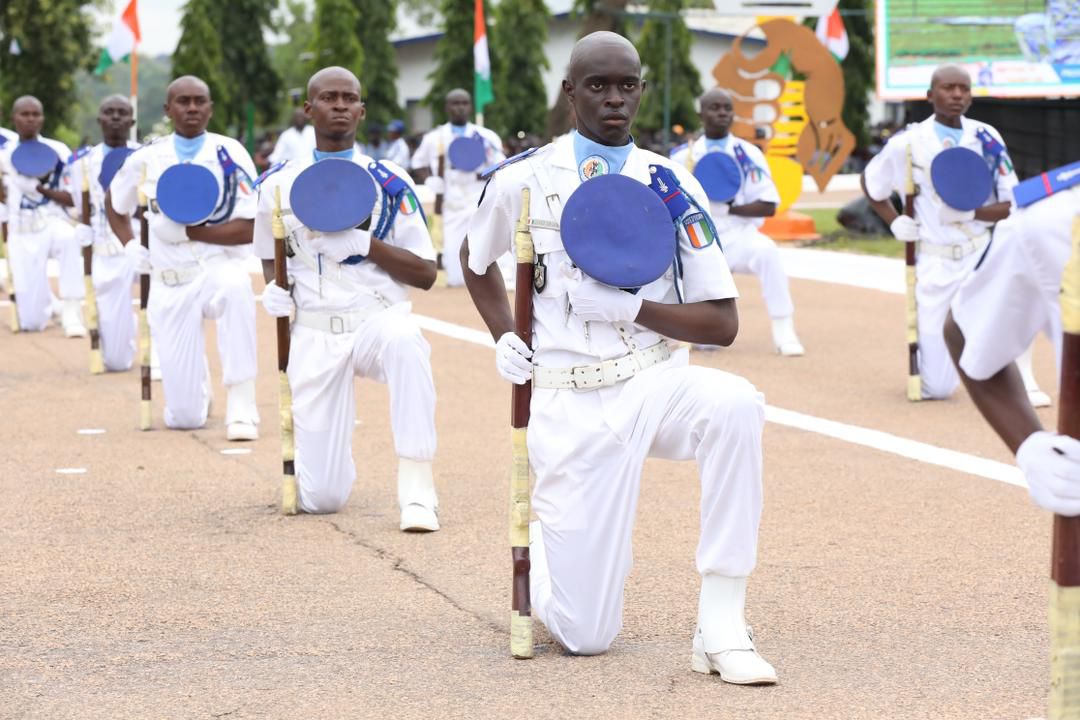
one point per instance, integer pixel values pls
(482, 93)
(830, 31)
(122, 40)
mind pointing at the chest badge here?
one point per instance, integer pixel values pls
(593, 166)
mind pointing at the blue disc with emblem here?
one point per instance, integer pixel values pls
(332, 195)
(961, 178)
(618, 231)
(187, 193)
(719, 175)
(34, 158)
(112, 164)
(467, 153)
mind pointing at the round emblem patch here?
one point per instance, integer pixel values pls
(592, 166)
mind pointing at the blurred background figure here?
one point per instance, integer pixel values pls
(377, 146)
(398, 151)
(298, 140)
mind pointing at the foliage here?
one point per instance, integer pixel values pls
(154, 76)
(199, 53)
(293, 21)
(376, 21)
(54, 41)
(858, 67)
(453, 56)
(685, 82)
(334, 41)
(247, 69)
(517, 46)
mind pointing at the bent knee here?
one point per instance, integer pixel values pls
(322, 500)
(580, 640)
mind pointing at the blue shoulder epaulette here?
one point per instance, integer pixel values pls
(1046, 184)
(268, 172)
(488, 172)
(3, 141)
(677, 149)
(79, 154)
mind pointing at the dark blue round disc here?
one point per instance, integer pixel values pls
(719, 175)
(618, 231)
(187, 193)
(467, 153)
(961, 178)
(34, 158)
(333, 195)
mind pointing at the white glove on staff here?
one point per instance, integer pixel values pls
(905, 228)
(435, 184)
(167, 230)
(84, 235)
(513, 359)
(277, 301)
(951, 216)
(139, 257)
(339, 245)
(593, 301)
(720, 209)
(24, 184)
(1051, 466)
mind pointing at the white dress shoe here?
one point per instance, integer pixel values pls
(241, 415)
(71, 319)
(1036, 396)
(241, 431)
(738, 667)
(784, 337)
(416, 496)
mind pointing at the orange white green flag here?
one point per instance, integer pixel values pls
(121, 42)
(482, 92)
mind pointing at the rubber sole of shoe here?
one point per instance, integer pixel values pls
(700, 665)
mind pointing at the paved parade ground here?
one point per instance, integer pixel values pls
(149, 575)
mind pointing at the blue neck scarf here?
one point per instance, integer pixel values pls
(949, 136)
(459, 130)
(188, 148)
(594, 159)
(717, 144)
(343, 154)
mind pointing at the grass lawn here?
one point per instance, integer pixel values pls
(835, 237)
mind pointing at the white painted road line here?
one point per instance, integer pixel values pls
(875, 439)
(71, 471)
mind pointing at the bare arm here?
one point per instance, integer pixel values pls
(268, 270)
(402, 265)
(758, 208)
(883, 208)
(488, 292)
(233, 232)
(120, 224)
(711, 322)
(993, 213)
(60, 197)
(1001, 398)
(420, 174)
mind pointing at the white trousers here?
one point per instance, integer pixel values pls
(223, 293)
(938, 279)
(113, 277)
(749, 251)
(455, 225)
(587, 450)
(388, 348)
(30, 251)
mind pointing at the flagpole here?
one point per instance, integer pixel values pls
(135, 93)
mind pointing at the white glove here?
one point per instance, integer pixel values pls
(277, 301)
(593, 301)
(339, 245)
(949, 215)
(905, 228)
(24, 184)
(720, 209)
(166, 230)
(435, 184)
(84, 235)
(513, 359)
(139, 256)
(1051, 466)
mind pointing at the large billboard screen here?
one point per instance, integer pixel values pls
(1012, 48)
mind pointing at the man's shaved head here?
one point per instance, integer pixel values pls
(714, 95)
(333, 72)
(592, 46)
(717, 112)
(186, 85)
(26, 101)
(949, 73)
(116, 99)
(28, 114)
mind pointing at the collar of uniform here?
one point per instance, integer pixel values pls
(562, 156)
(562, 153)
(967, 134)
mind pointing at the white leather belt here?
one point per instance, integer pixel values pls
(337, 323)
(173, 277)
(958, 251)
(108, 249)
(601, 374)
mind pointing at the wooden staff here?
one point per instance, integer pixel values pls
(521, 639)
(97, 365)
(436, 228)
(288, 447)
(145, 406)
(7, 254)
(1065, 556)
(914, 382)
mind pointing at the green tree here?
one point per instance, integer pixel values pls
(247, 69)
(154, 75)
(198, 53)
(858, 68)
(453, 56)
(334, 41)
(53, 40)
(517, 45)
(293, 20)
(376, 21)
(685, 83)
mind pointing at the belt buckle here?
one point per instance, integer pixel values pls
(170, 278)
(957, 252)
(580, 377)
(337, 324)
